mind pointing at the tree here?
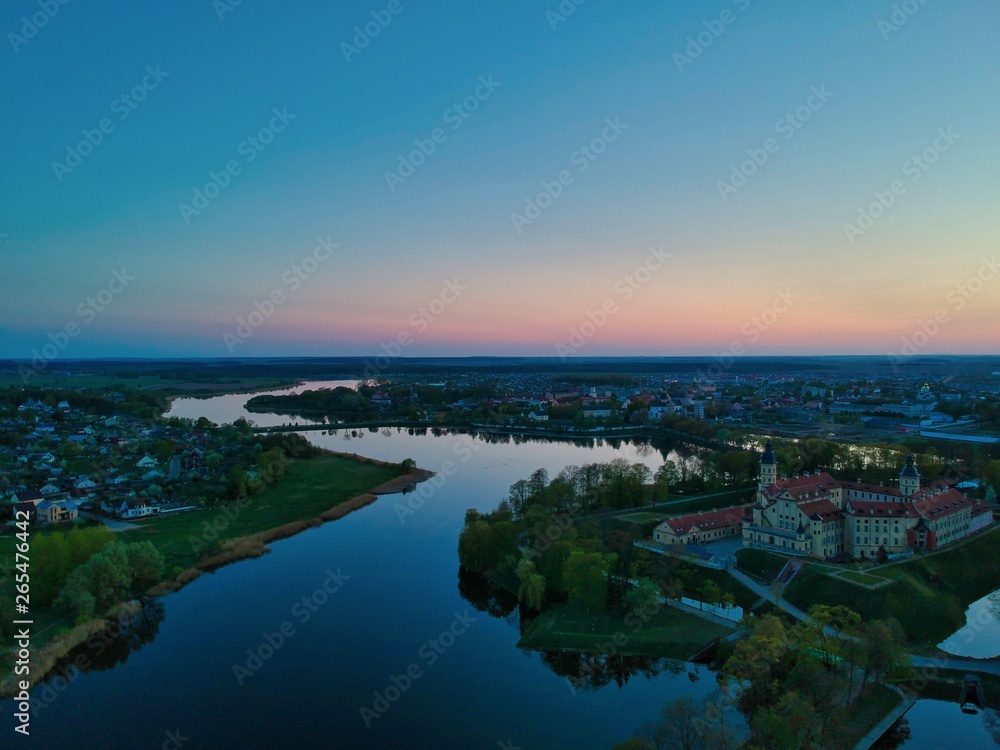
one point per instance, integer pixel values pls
(884, 650)
(790, 725)
(643, 595)
(146, 563)
(681, 725)
(586, 577)
(532, 590)
(106, 577)
(711, 593)
(755, 662)
(518, 498)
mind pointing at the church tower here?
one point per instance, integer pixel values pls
(909, 478)
(768, 471)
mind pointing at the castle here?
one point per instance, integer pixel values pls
(817, 515)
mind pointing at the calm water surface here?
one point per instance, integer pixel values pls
(980, 637)
(398, 593)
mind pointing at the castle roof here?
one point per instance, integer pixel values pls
(716, 519)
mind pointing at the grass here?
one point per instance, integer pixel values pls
(930, 595)
(863, 578)
(760, 563)
(873, 705)
(702, 504)
(641, 517)
(309, 489)
(668, 633)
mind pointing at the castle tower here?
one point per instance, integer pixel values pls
(909, 478)
(768, 471)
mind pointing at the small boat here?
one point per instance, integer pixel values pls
(973, 699)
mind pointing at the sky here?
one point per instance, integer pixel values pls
(534, 178)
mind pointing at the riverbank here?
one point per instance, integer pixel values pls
(313, 492)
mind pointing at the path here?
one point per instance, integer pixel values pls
(112, 523)
(767, 593)
(982, 666)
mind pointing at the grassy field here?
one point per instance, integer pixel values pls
(930, 595)
(702, 504)
(873, 705)
(760, 563)
(308, 489)
(862, 578)
(641, 517)
(668, 633)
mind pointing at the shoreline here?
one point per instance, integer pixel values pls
(232, 551)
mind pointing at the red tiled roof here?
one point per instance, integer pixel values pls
(715, 519)
(882, 508)
(932, 506)
(802, 487)
(820, 509)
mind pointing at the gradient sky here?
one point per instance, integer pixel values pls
(656, 185)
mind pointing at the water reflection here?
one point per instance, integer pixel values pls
(979, 638)
(941, 725)
(103, 650)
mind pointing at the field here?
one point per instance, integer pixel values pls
(929, 596)
(668, 633)
(308, 489)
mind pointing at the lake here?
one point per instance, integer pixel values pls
(980, 637)
(399, 612)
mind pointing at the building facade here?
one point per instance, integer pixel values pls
(819, 516)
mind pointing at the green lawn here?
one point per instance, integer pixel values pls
(930, 595)
(760, 563)
(641, 517)
(862, 578)
(309, 488)
(873, 705)
(702, 504)
(668, 633)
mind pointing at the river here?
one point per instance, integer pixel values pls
(397, 593)
(432, 658)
